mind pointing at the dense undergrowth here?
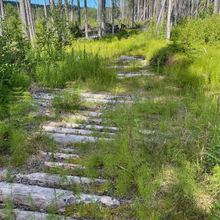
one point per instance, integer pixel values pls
(167, 145)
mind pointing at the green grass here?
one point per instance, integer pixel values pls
(165, 157)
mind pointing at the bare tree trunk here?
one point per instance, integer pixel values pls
(161, 12)
(154, 7)
(99, 19)
(122, 10)
(36, 11)
(1, 16)
(67, 17)
(17, 6)
(192, 6)
(23, 18)
(216, 6)
(45, 14)
(28, 19)
(208, 3)
(71, 17)
(138, 10)
(52, 7)
(144, 10)
(103, 17)
(86, 20)
(79, 19)
(127, 14)
(168, 19)
(188, 8)
(32, 23)
(175, 11)
(110, 11)
(61, 10)
(158, 6)
(113, 17)
(132, 21)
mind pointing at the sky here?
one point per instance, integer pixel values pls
(90, 3)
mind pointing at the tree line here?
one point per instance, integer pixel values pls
(129, 12)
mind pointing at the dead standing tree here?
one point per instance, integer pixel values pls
(1, 16)
(86, 20)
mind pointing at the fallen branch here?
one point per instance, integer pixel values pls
(119, 166)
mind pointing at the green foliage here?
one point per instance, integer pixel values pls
(67, 102)
(155, 32)
(82, 66)
(8, 212)
(75, 30)
(197, 32)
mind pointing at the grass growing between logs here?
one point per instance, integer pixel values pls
(165, 157)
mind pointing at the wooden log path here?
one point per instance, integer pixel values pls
(37, 190)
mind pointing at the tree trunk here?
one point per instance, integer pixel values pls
(192, 6)
(158, 7)
(86, 21)
(188, 8)
(103, 17)
(99, 18)
(71, 17)
(52, 7)
(113, 17)
(32, 23)
(61, 10)
(161, 12)
(36, 11)
(123, 10)
(45, 14)
(197, 7)
(168, 19)
(28, 19)
(216, 6)
(78, 7)
(208, 3)
(110, 11)
(127, 14)
(175, 12)
(67, 17)
(154, 7)
(132, 21)
(17, 6)
(23, 18)
(138, 10)
(1, 16)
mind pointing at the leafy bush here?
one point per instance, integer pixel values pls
(197, 32)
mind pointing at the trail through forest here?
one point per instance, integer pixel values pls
(35, 189)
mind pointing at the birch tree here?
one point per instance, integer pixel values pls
(113, 17)
(161, 12)
(28, 19)
(67, 17)
(32, 23)
(132, 15)
(216, 2)
(1, 16)
(103, 17)
(168, 19)
(99, 19)
(208, 3)
(86, 20)
(52, 8)
(45, 14)
(23, 18)
(61, 9)
(71, 14)
(78, 8)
